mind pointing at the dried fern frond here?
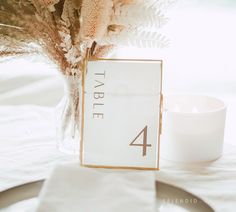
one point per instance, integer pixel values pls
(158, 4)
(164, 4)
(145, 39)
(129, 16)
(64, 29)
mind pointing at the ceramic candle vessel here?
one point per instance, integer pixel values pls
(193, 128)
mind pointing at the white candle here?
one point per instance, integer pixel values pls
(193, 128)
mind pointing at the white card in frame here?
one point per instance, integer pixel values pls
(121, 114)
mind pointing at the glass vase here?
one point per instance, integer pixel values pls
(68, 116)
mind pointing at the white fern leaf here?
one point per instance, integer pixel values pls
(158, 4)
(144, 39)
(164, 4)
(137, 15)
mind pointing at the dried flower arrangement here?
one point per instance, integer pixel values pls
(65, 29)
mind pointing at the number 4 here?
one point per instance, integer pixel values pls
(144, 144)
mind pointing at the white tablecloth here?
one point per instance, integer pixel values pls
(28, 152)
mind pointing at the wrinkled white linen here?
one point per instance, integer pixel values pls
(27, 144)
(73, 188)
(28, 152)
(214, 182)
(29, 80)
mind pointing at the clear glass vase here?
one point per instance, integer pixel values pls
(68, 116)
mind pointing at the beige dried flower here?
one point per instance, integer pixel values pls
(95, 16)
(123, 2)
(65, 28)
(49, 4)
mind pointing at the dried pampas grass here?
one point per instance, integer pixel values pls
(64, 29)
(95, 18)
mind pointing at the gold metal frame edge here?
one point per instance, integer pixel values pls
(120, 167)
(160, 116)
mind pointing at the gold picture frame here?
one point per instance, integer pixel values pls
(83, 111)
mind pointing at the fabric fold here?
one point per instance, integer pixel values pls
(74, 188)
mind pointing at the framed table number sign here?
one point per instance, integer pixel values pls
(121, 114)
